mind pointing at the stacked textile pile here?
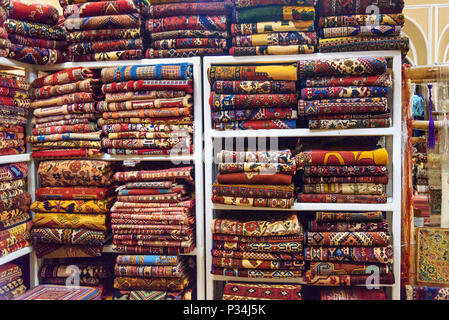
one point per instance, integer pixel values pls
(15, 219)
(178, 29)
(71, 208)
(253, 97)
(147, 109)
(352, 294)
(35, 34)
(154, 212)
(346, 249)
(343, 176)
(422, 202)
(265, 27)
(11, 282)
(86, 271)
(55, 292)
(345, 93)
(258, 246)
(14, 109)
(421, 196)
(103, 30)
(65, 115)
(255, 179)
(152, 278)
(4, 42)
(261, 291)
(361, 25)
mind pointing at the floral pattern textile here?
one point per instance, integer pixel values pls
(431, 256)
(75, 172)
(35, 30)
(342, 67)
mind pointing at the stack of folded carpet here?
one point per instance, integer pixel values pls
(154, 212)
(4, 42)
(103, 30)
(65, 115)
(11, 282)
(253, 97)
(332, 176)
(61, 292)
(147, 109)
(361, 25)
(15, 219)
(152, 278)
(255, 179)
(421, 197)
(266, 27)
(179, 29)
(88, 272)
(72, 208)
(14, 109)
(354, 293)
(35, 34)
(258, 246)
(347, 249)
(261, 291)
(345, 93)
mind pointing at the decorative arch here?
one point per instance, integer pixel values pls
(443, 44)
(418, 40)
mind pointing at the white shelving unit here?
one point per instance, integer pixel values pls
(393, 144)
(8, 64)
(195, 158)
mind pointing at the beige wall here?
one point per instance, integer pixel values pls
(427, 25)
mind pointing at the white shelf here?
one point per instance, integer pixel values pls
(196, 158)
(301, 133)
(108, 249)
(13, 64)
(15, 158)
(318, 207)
(176, 159)
(393, 140)
(15, 255)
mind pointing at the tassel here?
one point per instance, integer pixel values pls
(431, 137)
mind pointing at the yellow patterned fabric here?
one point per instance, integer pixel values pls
(67, 144)
(267, 72)
(73, 206)
(9, 214)
(20, 230)
(432, 256)
(274, 226)
(71, 221)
